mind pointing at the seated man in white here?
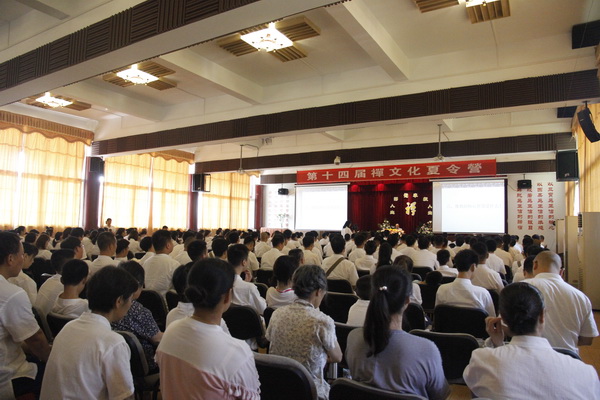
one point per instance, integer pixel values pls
(263, 245)
(23, 280)
(219, 249)
(252, 260)
(268, 258)
(494, 262)
(461, 292)
(74, 244)
(310, 258)
(53, 287)
(245, 293)
(146, 246)
(409, 250)
(358, 311)
(423, 257)
(89, 360)
(159, 268)
(179, 248)
(336, 266)
(122, 250)
(359, 250)
(525, 271)
(367, 262)
(17, 323)
(107, 243)
(74, 277)
(569, 319)
(483, 275)
(443, 257)
(547, 373)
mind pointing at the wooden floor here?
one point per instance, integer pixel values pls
(589, 355)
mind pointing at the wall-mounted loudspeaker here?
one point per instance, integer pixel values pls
(96, 164)
(587, 125)
(283, 191)
(524, 184)
(567, 167)
(201, 183)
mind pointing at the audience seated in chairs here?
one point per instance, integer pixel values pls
(23, 280)
(196, 358)
(74, 277)
(358, 311)
(382, 355)
(406, 263)
(139, 319)
(86, 348)
(245, 293)
(550, 374)
(278, 375)
(283, 293)
(429, 289)
(443, 257)
(53, 287)
(302, 332)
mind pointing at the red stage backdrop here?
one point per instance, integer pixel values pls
(453, 169)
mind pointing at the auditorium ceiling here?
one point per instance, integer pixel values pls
(345, 52)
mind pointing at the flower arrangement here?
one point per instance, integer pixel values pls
(386, 226)
(425, 228)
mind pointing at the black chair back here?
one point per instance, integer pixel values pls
(143, 380)
(341, 332)
(264, 276)
(262, 289)
(453, 319)
(267, 315)
(243, 322)
(139, 256)
(447, 279)
(339, 286)
(455, 349)
(43, 323)
(362, 272)
(154, 302)
(172, 299)
(509, 274)
(282, 377)
(93, 257)
(495, 299)
(344, 389)
(40, 266)
(414, 317)
(57, 322)
(337, 305)
(428, 293)
(421, 271)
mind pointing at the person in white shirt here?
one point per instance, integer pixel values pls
(188, 236)
(423, 257)
(109, 227)
(86, 242)
(263, 245)
(406, 263)
(134, 242)
(317, 249)
(282, 294)
(17, 323)
(494, 262)
(23, 280)
(324, 239)
(252, 260)
(346, 229)
(292, 243)
(43, 244)
(443, 257)
(219, 249)
(74, 277)
(358, 251)
(525, 271)
(503, 250)
(461, 292)
(49, 291)
(89, 360)
(336, 266)
(310, 258)
(358, 311)
(74, 244)
(491, 371)
(268, 258)
(122, 250)
(146, 246)
(410, 246)
(107, 243)
(367, 262)
(569, 319)
(159, 268)
(245, 293)
(483, 275)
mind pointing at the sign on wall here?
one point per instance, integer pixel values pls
(453, 169)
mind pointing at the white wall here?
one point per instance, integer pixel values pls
(275, 204)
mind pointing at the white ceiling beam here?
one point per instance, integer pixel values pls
(336, 136)
(231, 83)
(113, 101)
(44, 8)
(364, 27)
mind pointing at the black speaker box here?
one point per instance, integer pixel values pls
(96, 164)
(587, 125)
(283, 191)
(201, 183)
(524, 184)
(567, 167)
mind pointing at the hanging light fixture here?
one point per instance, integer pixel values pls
(439, 156)
(473, 3)
(267, 39)
(136, 76)
(52, 101)
(241, 169)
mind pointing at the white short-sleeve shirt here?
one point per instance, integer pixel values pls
(27, 284)
(159, 273)
(48, 293)
(100, 262)
(345, 269)
(462, 293)
(276, 298)
(88, 361)
(71, 308)
(246, 294)
(486, 278)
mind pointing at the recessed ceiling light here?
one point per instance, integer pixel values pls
(136, 76)
(268, 39)
(52, 101)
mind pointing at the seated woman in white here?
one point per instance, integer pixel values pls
(283, 293)
(197, 359)
(44, 244)
(549, 374)
(74, 277)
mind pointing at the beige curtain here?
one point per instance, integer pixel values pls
(570, 188)
(589, 164)
(126, 190)
(52, 182)
(170, 193)
(10, 145)
(226, 205)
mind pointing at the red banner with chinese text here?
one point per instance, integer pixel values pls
(453, 169)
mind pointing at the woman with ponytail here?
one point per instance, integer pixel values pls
(382, 355)
(548, 373)
(197, 359)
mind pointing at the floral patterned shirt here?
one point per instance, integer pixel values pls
(304, 333)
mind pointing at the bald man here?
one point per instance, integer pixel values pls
(569, 319)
